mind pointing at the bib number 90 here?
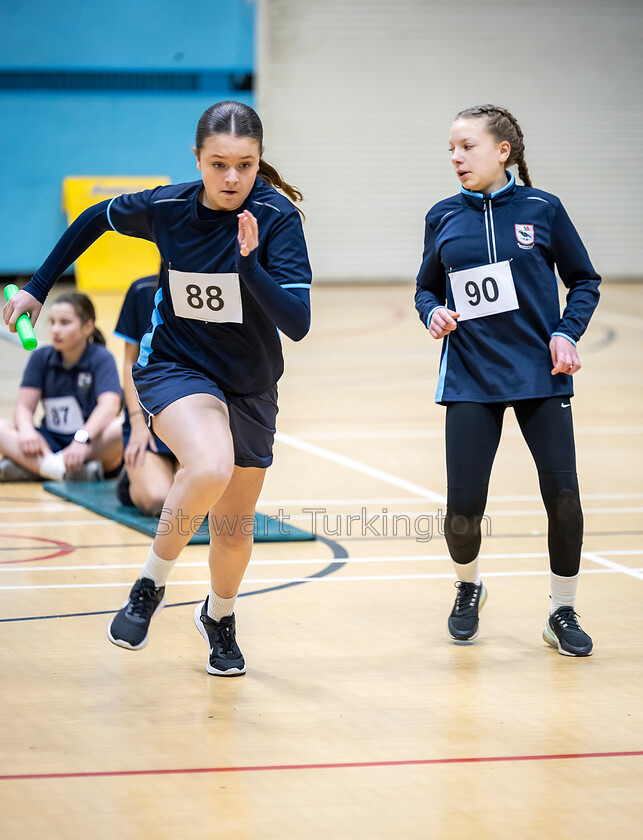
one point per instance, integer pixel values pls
(485, 290)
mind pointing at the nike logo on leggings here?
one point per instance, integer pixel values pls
(565, 405)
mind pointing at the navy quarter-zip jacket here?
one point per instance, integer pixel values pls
(505, 356)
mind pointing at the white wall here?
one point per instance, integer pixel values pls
(357, 97)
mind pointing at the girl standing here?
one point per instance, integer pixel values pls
(234, 271)
(487, 288)
(76, 380)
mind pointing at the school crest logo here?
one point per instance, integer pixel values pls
(525, 236)
(84, 381)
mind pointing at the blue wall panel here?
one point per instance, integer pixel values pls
(127, 33)
(48, 135)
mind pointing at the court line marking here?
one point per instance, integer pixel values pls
(359, 466)
(381, 514)
(638, 573)
(305, 561)
(597, 557)
(428, 434)
(320, 513)
(254, 768)
(64, 523)
(407, 500)
(35, 508)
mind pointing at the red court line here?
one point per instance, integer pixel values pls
(339, 766)
(65, 548)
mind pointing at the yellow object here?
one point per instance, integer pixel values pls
(113, 261)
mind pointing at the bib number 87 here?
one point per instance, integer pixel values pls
(487, 289)
(213, 301)
(59, 416)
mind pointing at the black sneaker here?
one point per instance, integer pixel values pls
(463, 621)
(563, 631)
(225, 659)
(129, 626)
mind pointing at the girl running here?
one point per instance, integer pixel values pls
(234, 272)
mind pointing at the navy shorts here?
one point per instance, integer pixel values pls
(55, 440)
(252, 419)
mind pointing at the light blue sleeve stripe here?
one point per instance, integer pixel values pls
(296, 285)
(564, 335)
(430, 315)
(109, 218)
(443, 372)
(146, 341)
(125, 338)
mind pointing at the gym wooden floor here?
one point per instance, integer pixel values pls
(357, 717)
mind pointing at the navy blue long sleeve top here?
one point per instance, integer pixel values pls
(244, 355)
(506, 356)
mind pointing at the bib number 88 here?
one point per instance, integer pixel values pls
(213, 301)
(487, 289)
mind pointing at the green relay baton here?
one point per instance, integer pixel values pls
(23, 324)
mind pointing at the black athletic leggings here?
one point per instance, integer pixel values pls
(472, 438)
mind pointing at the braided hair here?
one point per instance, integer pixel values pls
(504, 126)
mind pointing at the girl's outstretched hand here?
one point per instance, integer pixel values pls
(248, 232)
(19, 303)
(563, 355)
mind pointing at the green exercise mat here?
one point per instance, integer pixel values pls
(100, 498)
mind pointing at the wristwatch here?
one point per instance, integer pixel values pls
(82, 436)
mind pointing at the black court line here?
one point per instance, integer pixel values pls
(340, 556)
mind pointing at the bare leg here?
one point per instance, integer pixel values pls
(10, 448)
(150, 482)
(196, 429)
(107, 447)
(231, 530)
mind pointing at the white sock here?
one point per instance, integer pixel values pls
(468, 572)
(52, 465)
(218, 608)
(563, 591)
(157, 568)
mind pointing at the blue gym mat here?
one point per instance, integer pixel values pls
(100, 498)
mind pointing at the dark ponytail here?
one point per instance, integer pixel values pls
(84, 308)
(240, 120)
(504, 126)
(270, 175)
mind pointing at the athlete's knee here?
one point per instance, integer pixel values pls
(561, 498)
(463, 536)
(208, 475)
(147, 501)
(460, 529)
